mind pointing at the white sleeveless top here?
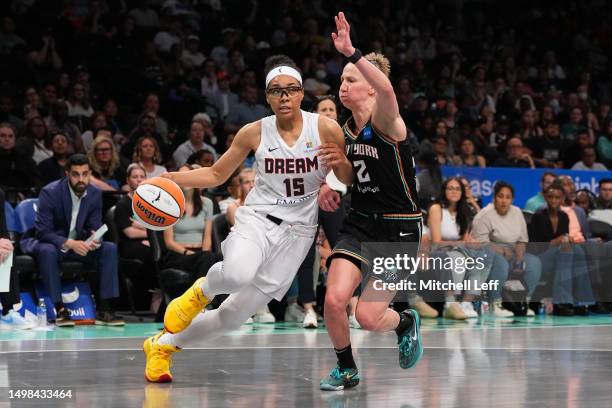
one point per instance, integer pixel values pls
(448, 227)
(287, 179)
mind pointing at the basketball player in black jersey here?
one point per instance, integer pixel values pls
(383, 209)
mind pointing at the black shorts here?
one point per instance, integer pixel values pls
(362, 228)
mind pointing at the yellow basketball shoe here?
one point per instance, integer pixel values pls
(158, 359)
(181, 311)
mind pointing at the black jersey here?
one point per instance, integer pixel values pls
(384, 179)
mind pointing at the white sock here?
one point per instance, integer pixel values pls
(168, 339)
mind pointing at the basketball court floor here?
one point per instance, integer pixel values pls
(533, 362)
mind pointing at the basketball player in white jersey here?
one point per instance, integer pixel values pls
(294, 151)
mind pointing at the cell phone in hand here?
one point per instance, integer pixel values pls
(98, 234)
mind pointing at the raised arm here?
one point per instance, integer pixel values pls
(246, 140)
(386, 115)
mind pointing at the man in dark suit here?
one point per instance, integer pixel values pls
(69, 211)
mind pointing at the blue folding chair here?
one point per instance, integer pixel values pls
(26, 214)
(9, 215)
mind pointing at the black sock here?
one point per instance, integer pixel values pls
(105, 305)
(404, 323)
(345, 357)
(5, 311)
(59, 306)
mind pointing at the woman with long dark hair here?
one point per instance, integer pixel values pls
(449, 223)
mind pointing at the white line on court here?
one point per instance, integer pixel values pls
(322, 347)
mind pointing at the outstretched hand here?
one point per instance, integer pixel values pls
(342, 38)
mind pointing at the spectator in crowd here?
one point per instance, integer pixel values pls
(133, 242)
(234, 189)
(222, 98)
(35, 139)
(537, 201)
(529, 128)
(189, 241)
(52, 169)
(16, 169)
(144, 16)
(48, 95)
(503, 226)
(515, 155)
(547, 150)
(604, 201)
(146, 127)
(203, 158)
(111, 111)
(585, 199)
(467, 156)
(440, 130)
(564, 263)
(578, 226)
(246, 179)
(6, 113)
(197, 132)
(32, 106)
(442, 151)
(58, 121)
(44, 57)
(106, 166)
(449, 221)
(79, 107)
(147, 155)
(69, 211)
(164, 40)
(588, 161)
(603, 204)
(208, 83)
(604, 144)
(152, 106)
(220, 53)
(569, 131)
(209, 135)
(8, 38)
(248, 110)
(192, 52)
(473, 202)
(10, 319)
(97, 121)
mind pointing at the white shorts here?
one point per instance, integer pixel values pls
(283, 247)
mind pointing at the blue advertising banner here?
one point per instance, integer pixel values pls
(526, 182)
(77, 298)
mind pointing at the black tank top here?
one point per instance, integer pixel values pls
(384, 178)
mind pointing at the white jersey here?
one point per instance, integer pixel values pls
(288, 179)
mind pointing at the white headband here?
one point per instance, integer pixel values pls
(283, 70)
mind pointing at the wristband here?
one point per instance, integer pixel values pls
(355, 57)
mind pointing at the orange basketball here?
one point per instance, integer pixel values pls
(158, 203)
